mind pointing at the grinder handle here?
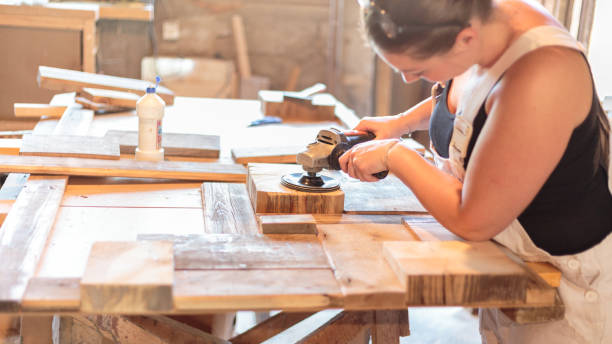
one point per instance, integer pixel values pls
(360, 138)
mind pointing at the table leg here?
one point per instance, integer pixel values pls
(36, 329)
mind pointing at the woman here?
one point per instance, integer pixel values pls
(524, 161)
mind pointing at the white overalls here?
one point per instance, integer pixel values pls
(586, 284)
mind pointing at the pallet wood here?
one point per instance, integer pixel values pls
(123, 168)
(273, 155)
(46, 294)
(227, 209)
(232, 290)
(355, 252)
(69, 146)
(270, 327)
(188, 145)
(307, 223)
(110, 97)
(128, 277)
(319, 107)
(74, 81)
(240, 252)
(24, 234)
(38, 110)
(269, 196)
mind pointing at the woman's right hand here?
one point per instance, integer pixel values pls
(387, 127)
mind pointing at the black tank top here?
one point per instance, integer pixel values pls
(572, 212)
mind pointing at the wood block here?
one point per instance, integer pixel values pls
(269, 196)
(456, 273)
(69, 146)
(189, 145)
(319, 107)
(355, 252)
(52, 295)
(23, 236)
(307, 223)
(231, 290)
(128, 277)
(38, 110)
(123, 168)
(240, 252)
(70, 81)
(280, 154)
(110, 97)
(227, 209)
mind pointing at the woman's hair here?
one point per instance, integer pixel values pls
(423, 27)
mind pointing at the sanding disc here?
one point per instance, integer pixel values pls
(303, 182)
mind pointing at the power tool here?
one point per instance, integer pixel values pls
(324, 154)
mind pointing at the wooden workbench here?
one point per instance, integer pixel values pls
(342, 267)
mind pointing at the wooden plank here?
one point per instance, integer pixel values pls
(110, 97)
(319, 107)
(38, 110)
(227, 209)
(23, 236)
(123, 168)
(242, 50)
(10, 146)
(307, 223)
(244, 252)
(280, 154)
(98, 107)
(269, 196)
(531, 315)
(437, 273)
(128, 277)
(387, 196)
(70, 81)
(355, 252)
(188, 145)
(74, 122)
(47, 294)
(270, 327)
(44, 11)
(69, 146)
(36, 329)
(150, 329)
(230, 290)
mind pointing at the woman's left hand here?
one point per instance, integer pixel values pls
(366, 159)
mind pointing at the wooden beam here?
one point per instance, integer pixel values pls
(242, 50)
(270, 327)
(69, 146)
(123, 168)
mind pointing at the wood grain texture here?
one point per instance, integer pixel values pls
(38, 110)
(280, 154)
(307, 223)
(45, 294)
(188, 145)
(437, 273)
(227, 209)
(531, 315)
(23, 236)
(240, 252)
(269, 196)
(128, 277)
(110, 97)
(231, 290)
(69, 80)
(123, 168)
(355, 252)
(69, 146)
(270, 327)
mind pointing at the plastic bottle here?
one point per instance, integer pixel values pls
(150, 110)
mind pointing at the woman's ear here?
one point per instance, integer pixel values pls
(466, 40)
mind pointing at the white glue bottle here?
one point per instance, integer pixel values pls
(150, 111)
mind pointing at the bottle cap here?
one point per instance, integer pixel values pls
(151, 88)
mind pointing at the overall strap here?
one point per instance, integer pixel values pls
(483, 80)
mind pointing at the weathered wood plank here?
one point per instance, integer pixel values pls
(227, 209)
(23, 236)
(306, 223)
(38, 110)
(52, 295)
(128, 277)
(280, 154)
(270, 327)
(123, 168)
(188, 145)
(69, 146)
(110, 97)
(74, 121)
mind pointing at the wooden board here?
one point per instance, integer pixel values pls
(69, 146)
(270, 327)
(227, 209)
(46, 294)
(69, 80)
(280, 154)
(269, 196)
(110, 97)
(231, 290)
(10, 146)
(320, 107)
(74, 122)
(128, 277)
(188, 145)
(23, 236)
(98, 107)
(244, 252)
(307, 223)
(38, 110)
(456, 273)
(355, 252)
(123, 168)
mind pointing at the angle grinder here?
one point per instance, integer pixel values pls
(324, 154)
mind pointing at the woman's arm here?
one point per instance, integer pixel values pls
(415, 118)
